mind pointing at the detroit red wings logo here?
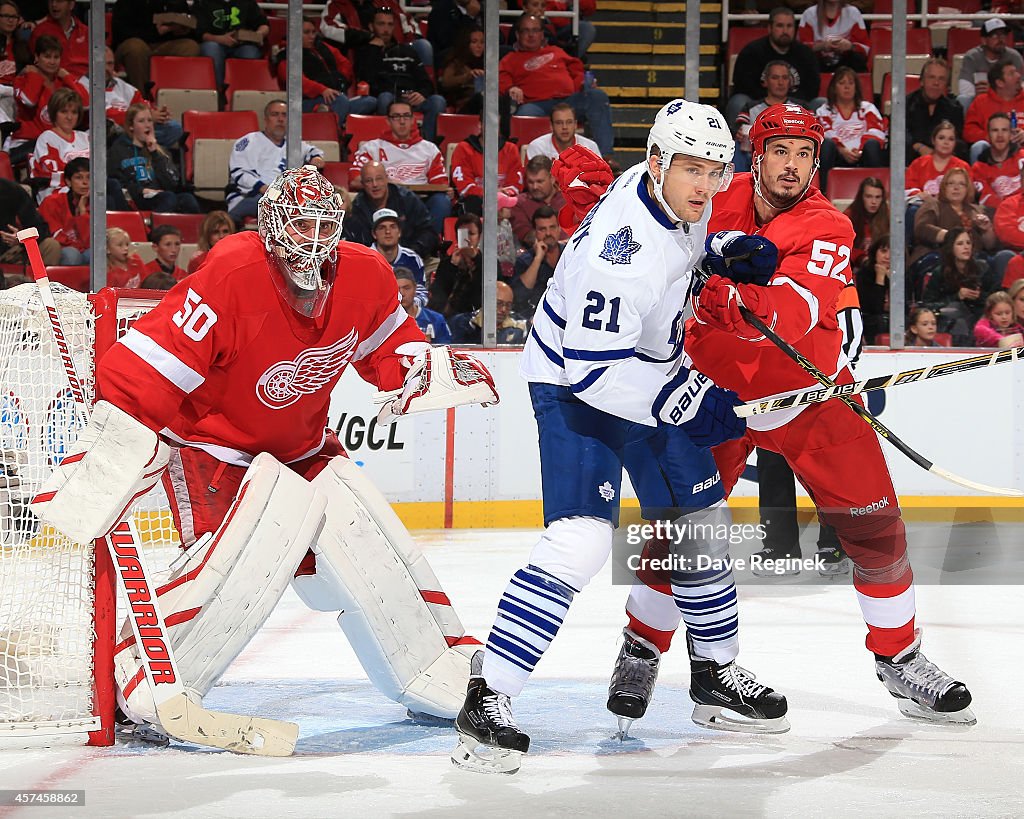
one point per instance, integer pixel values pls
(283, 383)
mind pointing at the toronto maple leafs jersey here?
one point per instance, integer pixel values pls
(610, 324)
(224, 365)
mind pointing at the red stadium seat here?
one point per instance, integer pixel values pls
(254, 78)
(337, 173)
(865, 85)
(320, 127)
(214, 125)
(456, 127)
(130, 221)
(843, 182)
(183, 83)
(739, 36)
(76, 277)
(362, 127)
(187, 223)
(6, 171)
(919, 41)
(526, 129)
(913, 82)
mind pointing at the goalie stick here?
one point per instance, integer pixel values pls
(179, 715)
(816, 395)
(881, 429)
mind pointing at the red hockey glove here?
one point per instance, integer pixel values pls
(583, 177)
(718, 305)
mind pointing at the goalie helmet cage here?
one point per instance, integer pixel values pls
(58, 617)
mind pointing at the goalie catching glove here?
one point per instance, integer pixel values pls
(703, 411)
(438, 378)
(583, 177)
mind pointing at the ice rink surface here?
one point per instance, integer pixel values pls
(849, 753)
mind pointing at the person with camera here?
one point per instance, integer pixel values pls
(959, 286)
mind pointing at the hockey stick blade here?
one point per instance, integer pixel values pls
(816, 395)
(179, 716)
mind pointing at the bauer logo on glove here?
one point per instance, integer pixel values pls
(438, 378)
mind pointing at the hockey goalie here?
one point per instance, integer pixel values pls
(222, 392)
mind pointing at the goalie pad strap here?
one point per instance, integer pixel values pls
(399, 621)
(225, 585)
(114, 462)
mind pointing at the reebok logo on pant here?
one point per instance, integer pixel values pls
(881, 503)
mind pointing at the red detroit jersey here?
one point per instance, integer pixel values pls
(814, 241)
(225, 365)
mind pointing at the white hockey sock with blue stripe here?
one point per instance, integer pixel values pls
(707, 602)
(530, 613)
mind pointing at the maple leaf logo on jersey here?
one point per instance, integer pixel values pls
(619, 246)
(283, 383)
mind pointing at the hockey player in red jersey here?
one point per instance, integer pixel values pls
(836, 457)
(223, 390)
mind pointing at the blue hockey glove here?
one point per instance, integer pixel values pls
(742, 258)
(703, 411)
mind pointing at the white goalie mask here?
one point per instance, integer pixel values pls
(299, 220)
(684, 127)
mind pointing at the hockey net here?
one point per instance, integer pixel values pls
(57, 597)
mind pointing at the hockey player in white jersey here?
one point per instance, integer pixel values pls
(610, 389)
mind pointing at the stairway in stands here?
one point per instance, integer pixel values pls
(639, 59)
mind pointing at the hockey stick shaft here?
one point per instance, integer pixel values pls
(880, 428)
(179, 716)
(879, 382)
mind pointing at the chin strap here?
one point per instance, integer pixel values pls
(759, 192)
(658, 192)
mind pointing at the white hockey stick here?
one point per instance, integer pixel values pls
(816, 395)
(179, 716)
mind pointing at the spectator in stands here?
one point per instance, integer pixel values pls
(58, 145)
(1009, 225)
(872, 278)
(417, 230)
(32, 90)
(18, 211)
(930, 105)
(67, 213)
(137, 37)
(954, 207)
(447, 19)
(158, 281)
(73, 35)
(467, 328)
(433, 325)
(835, 31)
(326, 79)
(346, 23)
(216, 225)
(973, 79)
(777, 79)
(468, 171)
(855, 133)
(230, 28)
(387, 235)
(959, 285)
(119, 95)
(1004, 94)
(14, 56)
(1016, 293)
(124, 268)
(408, 158)
(166, 241)
(997, 170)
(146, 170)
(997, 327)
(462, 78)
(540, 190)
(925, 173)
(921, 328)
(533, 270)
(537, 77)
(753, 59)
(563, 135)
(457, 286)
(558, 30)
(257, 159)
(395, 71)
(869, 214)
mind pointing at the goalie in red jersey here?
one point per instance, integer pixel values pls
(223, 390)
(836, 457)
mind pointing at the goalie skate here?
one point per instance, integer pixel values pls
(924, 690)
(489, 739)
(727, 697)
(632, 683)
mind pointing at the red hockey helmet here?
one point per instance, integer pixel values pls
(784, 120)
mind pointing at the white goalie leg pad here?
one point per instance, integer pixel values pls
(115, 461)
(399, 621)
(227, 584)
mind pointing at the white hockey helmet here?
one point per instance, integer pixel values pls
(684, 127)
(299, 219)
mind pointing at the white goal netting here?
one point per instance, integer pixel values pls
(49, 676)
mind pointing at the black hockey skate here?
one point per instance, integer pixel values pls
(489, 739)
(832, 561)
(773, 561)
(728, 698)
(632, 683)
(924, 690)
